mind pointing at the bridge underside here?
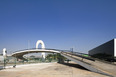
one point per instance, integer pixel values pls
(24, 52)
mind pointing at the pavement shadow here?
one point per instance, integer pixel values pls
(1, 67)
(80, 67)
(74, 65)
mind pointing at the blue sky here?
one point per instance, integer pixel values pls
(61, 24)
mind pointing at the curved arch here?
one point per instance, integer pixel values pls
(40, 42)
(42, 46)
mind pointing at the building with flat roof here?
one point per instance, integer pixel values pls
(106, 50)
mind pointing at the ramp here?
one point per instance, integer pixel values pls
(85, 62)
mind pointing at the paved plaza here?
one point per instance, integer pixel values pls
(48, 70)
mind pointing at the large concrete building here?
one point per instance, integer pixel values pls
(107, 49)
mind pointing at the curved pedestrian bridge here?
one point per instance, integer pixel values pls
(19, 54)
(86, 62)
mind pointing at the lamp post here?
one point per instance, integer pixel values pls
(4, 55)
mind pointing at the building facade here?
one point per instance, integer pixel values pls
(107, 49)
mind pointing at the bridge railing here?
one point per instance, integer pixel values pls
(38, 48)
(82, 55)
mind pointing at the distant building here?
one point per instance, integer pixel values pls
(106, 50)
